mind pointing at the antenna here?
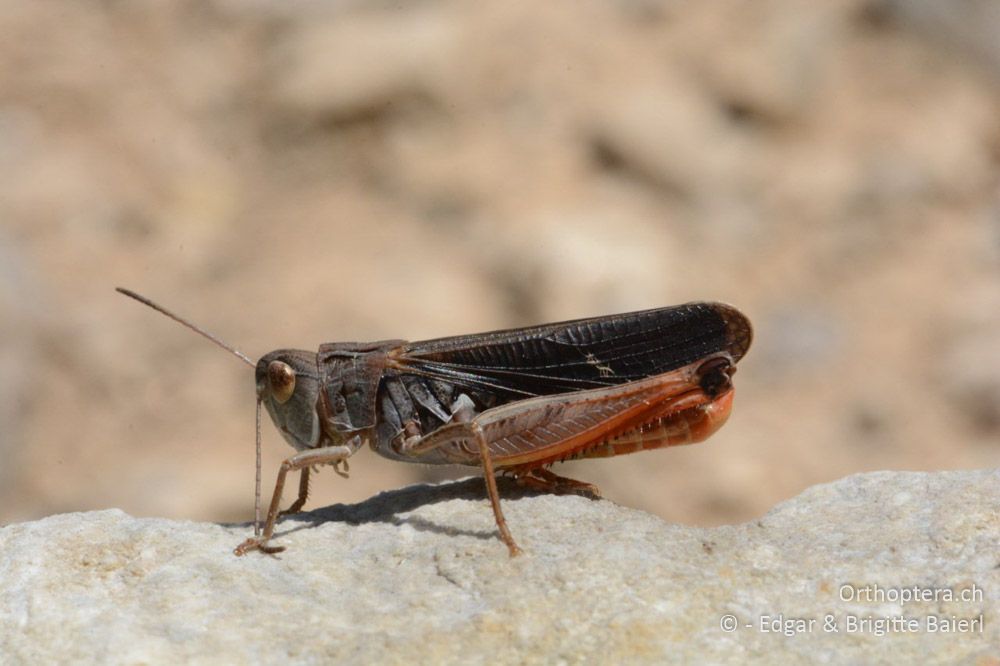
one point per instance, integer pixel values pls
(180, 320)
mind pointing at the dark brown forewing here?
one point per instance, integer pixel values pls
(580, 354)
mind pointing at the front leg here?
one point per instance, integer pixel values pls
(329, 455)
(296, 506)
(300, 502)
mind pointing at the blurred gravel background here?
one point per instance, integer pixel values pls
(289, 173)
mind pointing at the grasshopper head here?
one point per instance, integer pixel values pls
(288, 384)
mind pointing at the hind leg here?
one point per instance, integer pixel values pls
(545, 481)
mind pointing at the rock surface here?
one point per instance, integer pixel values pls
(416, 576)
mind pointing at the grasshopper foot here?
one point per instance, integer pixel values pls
(545, 481)
(295, 508)
(256, 543)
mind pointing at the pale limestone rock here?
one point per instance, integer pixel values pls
(416, 576)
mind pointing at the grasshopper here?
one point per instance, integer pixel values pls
(514, 401)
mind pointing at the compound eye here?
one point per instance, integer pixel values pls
(281, 379)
